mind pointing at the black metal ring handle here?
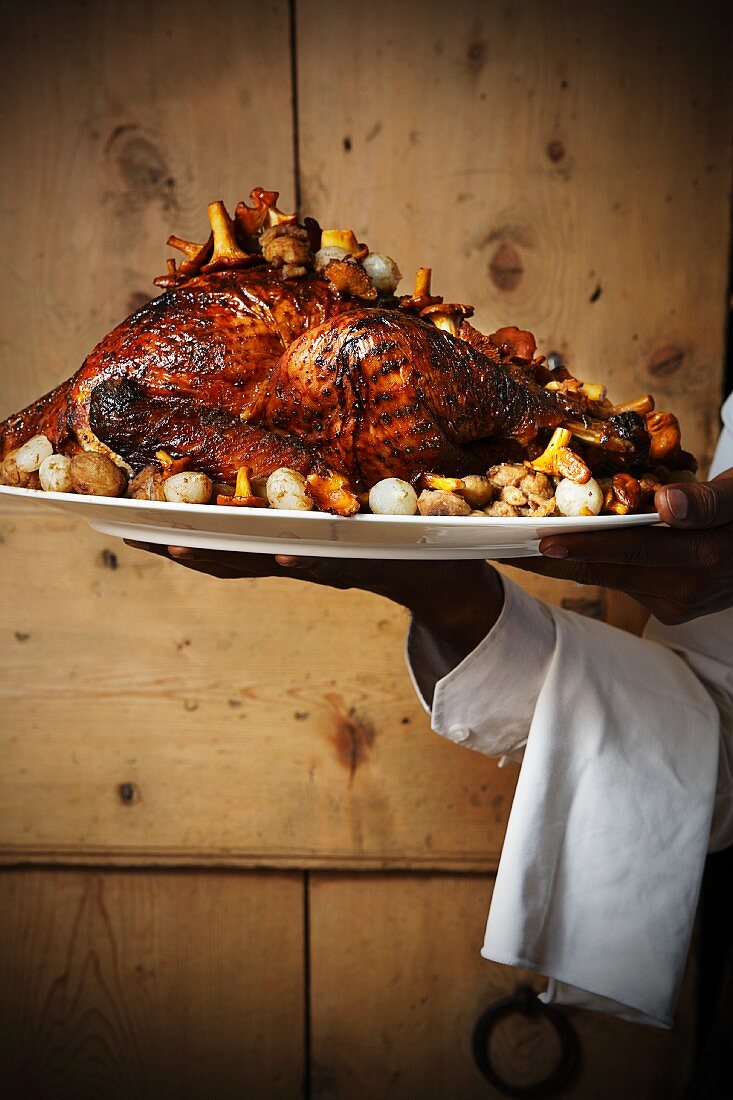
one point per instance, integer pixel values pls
(525, 1001)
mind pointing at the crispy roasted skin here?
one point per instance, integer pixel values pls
(48, 415)
(214, 339)
(133, 423)
(244, 368)
(380, 393)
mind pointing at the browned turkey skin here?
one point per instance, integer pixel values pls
(371, 392)
(255, 360)
(213, 339)
(382, 394)
(216, 443)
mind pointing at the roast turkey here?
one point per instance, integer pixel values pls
(267, 350)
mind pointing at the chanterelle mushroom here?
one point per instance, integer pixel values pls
(264, 214)
(514, 343)
(421, 297)
(447, 316)
(349, 277)
(196, 255)
(559, 460)
(664, 429)
(346, 239)
(227, 252)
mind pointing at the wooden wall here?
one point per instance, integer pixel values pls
(565, 167)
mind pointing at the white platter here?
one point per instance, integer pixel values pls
(315, 534)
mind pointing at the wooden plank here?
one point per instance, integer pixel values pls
(147, 719)
(151, 985)
(210, 713)
(564, 167)
(120, 123)
(154, 716)
(397, 985)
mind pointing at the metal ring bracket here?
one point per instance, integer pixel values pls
(524, 1001)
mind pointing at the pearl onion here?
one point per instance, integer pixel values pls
(324, 256)
(383, 272)
(55, 474)
(188, 487)
(32, 453)
(287, 489)
(579, 500)
(393, 497)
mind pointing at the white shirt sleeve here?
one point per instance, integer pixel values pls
(706, 645)
(600, 871)
(487, 701)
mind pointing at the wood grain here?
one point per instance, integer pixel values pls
(256, 723)
(136, 697)
(155, 986)
(397, 985)
(120, 123)
(564, 167)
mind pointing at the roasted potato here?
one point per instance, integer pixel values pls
(97, 475)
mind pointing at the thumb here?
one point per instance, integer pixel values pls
(697, 504)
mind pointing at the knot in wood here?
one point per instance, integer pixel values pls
(505, 267)
(665, 361)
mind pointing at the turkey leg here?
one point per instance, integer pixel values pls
(132, 423)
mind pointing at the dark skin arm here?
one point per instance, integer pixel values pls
(459, 601)
(678, 575)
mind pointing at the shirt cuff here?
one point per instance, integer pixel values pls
(486, 702)
(560, 993)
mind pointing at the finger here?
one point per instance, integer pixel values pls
(236, 564)
(211, 569)
(639, 582)
(579, 572)
(697, 504)
(653, 548)
(179, 555)
(215, 566)
(288, 561)
(191, 559)
(156, 548)
(334, 572)
(544, 567)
